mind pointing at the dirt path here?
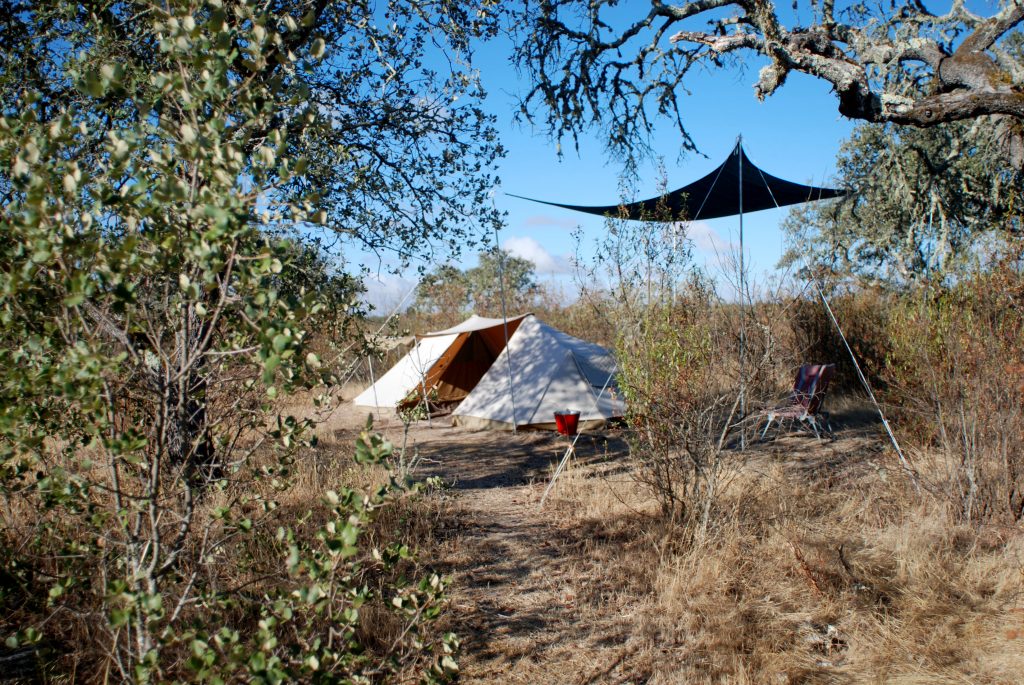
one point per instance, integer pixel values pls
(507, 566)
(510, 564)
(532, 605)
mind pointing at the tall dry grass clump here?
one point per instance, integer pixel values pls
(814, 572)
(809, 583)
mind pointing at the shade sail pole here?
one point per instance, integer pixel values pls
(743, 296)
(504, 321)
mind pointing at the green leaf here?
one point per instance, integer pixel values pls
(257, 662)
(94, 84)
(270, 365)
(119, 617)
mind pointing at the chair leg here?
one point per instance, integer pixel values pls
(814, 426)
(767, 425)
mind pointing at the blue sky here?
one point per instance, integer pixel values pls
(795, 134)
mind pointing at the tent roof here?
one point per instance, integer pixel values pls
(430, 348)
(714, 196)
(474, 323)
(406, 375)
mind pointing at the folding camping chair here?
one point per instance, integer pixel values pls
(804, 404)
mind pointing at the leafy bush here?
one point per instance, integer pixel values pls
(163, 168)
(678, 405)
(677, 348)
(282, 595)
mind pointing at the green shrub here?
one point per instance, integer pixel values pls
(163, 168)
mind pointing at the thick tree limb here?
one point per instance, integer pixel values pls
(900, 64)
(989, 31)
(964, 82)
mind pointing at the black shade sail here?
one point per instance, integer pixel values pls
(716, 195)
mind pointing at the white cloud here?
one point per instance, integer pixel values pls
(705, 238)
(545, 262)
(386, 292)
(545, 220)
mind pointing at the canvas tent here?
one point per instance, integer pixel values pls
(542, 370)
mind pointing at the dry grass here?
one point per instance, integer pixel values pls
(821, 569)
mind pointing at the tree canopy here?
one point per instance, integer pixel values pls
(894, 62)
(163, 168)
(924, 204)
(400, 151)
(452, 293)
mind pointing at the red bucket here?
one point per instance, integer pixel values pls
(567, 422)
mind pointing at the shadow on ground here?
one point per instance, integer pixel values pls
(500, 459)
(513, 594)
(519, 578)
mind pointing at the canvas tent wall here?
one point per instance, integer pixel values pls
(447, 363)
(541, 371)
(552, 371)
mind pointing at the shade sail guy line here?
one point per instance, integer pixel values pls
(355, 364)
(708, 194)
(504, 322)
(770, 193)
(904, 462)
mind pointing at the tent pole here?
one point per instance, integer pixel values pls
(423, 384)
(373, 384)
(743, 292)
(504, 320)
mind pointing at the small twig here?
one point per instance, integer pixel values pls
(806, 568)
